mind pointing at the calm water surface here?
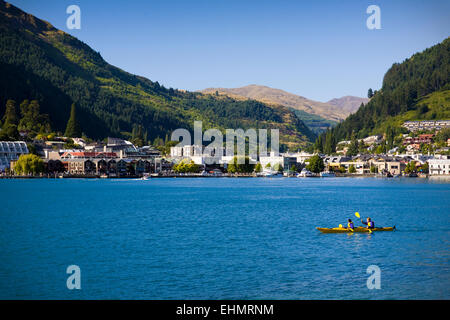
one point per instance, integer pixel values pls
(222, 238)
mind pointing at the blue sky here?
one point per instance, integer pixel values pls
(317, 49)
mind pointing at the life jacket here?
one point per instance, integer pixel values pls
(351, 225)
(370, 224)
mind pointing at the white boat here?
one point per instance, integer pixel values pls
(305, 173)
(271, 174)
(327, 174)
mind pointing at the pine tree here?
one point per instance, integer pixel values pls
(9, 128)
(10, 116)
(353, 147)
(330, 144)
(73, 129)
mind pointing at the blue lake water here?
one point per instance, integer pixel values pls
(222, 238)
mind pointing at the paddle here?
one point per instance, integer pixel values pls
(359, 217)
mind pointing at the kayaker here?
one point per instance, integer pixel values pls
(350, 224)
(370, 224)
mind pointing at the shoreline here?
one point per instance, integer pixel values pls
(443, 177)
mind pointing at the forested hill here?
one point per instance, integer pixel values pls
(416, 89)
(37, 61)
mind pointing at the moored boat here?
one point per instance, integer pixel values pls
(327, 174)
(305, 173)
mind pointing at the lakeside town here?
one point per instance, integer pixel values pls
(419, 154)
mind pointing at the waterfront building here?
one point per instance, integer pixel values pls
(11, 151)
(332, 163)
(361, 167)
(272, 159)
(54, 166)
(394, 166)
(289, 162)
(192, 150)
(439, 165)
(80, 166)
(88, 155)
(301, 156)
(176, 152)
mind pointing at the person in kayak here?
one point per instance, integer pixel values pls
(370, 224)
(350, 224)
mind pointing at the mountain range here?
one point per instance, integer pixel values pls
(336, 109)
(318, 116)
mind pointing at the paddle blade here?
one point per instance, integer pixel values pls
(357, 215)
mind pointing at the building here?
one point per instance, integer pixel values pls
(372, 140)
(80, 166)
(271, 160)
(439, 165)
(55, 144)
(422, 138)
(393, 165)
(192, 150)
(301, 156)
(88, 155)
(361, 167)
(79, 141)
(176, 152)
(11, 151)
(426, 125)
(117, 144)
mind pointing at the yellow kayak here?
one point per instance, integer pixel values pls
(357, 229)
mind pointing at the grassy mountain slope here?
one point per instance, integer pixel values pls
(37, 61)
(416, 89)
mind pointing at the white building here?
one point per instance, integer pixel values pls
(272, 160)
(11, 150)
(372, 139)
(193, 150)
(80, 142)
(440, 165)
(301, 156)
(176, 152)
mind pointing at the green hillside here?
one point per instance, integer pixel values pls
(434, 106)
(316, 123)
(416, 89)
(40, 62)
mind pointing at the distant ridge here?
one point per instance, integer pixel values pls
(348, 104)
(337, 110)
